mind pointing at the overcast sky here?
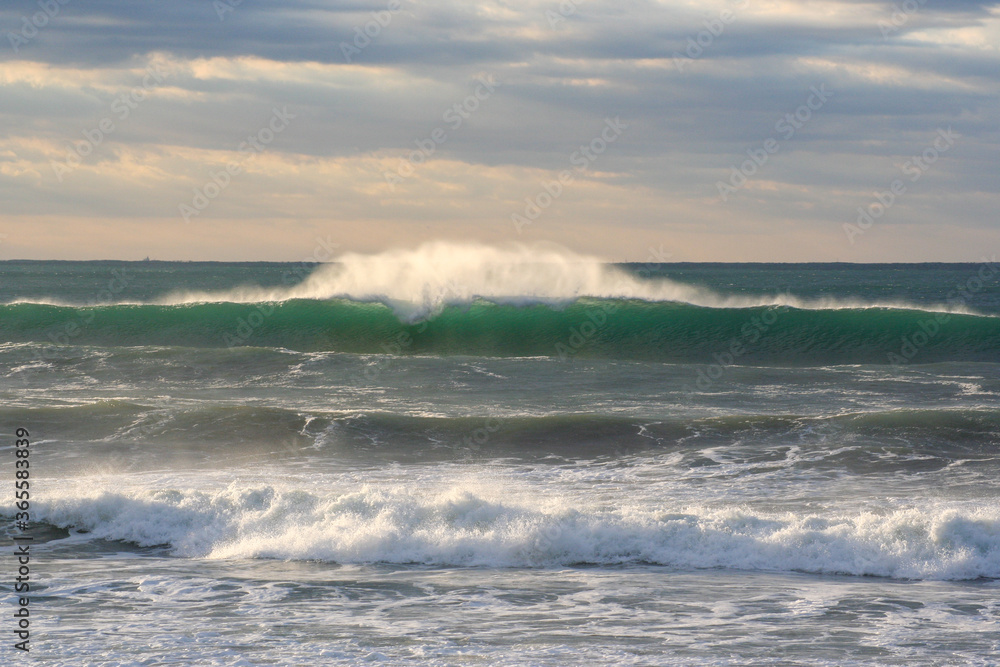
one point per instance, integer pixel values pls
(738, 130)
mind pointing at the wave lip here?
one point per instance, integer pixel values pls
(458, 526)
(419, 283)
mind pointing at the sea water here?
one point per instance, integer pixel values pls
(467, 456)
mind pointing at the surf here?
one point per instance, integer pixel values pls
(494, 522)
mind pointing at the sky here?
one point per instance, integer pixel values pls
(738, 130)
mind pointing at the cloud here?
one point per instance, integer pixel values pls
(699, 85)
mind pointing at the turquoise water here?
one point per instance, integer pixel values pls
(667, 464)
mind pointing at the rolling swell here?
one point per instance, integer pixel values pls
(587, 327)
(861, 441)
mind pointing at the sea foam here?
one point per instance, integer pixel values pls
(492, 525)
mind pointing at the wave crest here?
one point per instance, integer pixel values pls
(421, 282)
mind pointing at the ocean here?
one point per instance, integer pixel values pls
(459, 455)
